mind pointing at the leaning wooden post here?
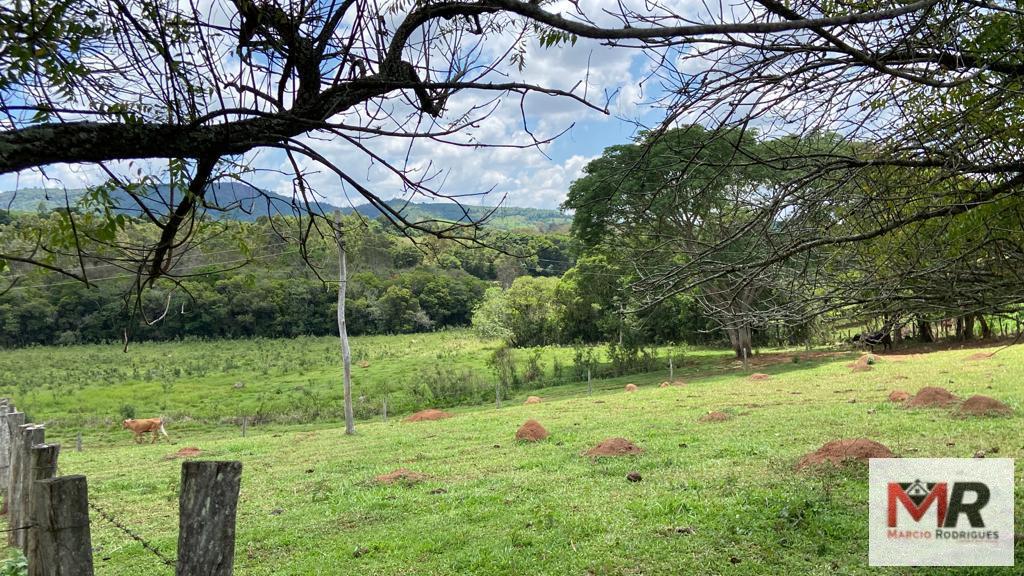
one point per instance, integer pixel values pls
(42, 466)
(26, 436)
(12, 422)
(61, 543)
(207, 506)
(5, 450)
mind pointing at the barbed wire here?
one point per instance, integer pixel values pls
(29, 527)
(134, 536)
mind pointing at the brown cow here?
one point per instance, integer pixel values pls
(146, 425)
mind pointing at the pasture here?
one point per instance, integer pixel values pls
(278, 380)
(715, 497)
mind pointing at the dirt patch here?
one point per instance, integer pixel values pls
(759, 376)
(898, 396)
(532, 400)
(715, 417)
(839, 452)
(931, 397)
(983, 406)
(401, 476)
(663, 385)
(666, 383)
(630, 387)
(531, 431)
(980, 356)
(615, 447)
(189, 452)
(863, 364)
(428, 414)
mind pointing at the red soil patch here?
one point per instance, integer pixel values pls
(984, 406)
(931, 397)
(663, 385)
(401, 475)
(630, 387)
(898, 396)
(428, 414)
(980, 356)
(759, 376)
(190, 452)
(839, 452)
(861, 367)
(532, 400)
(531, 431)
(615, 447)
(715, 417)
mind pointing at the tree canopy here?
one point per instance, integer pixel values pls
(884, 116)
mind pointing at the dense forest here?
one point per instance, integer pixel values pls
(245, 281)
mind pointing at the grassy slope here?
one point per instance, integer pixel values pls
(544, 508)
(88, 385)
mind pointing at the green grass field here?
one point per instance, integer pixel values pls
(716, 498)
(284, 381)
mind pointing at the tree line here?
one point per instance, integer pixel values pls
(396, 286)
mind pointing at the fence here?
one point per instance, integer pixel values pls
(48, 516)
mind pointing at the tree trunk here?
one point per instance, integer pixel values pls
(924, 331)
(968, 327)
(741, 341)
(986, 328)
(346, 355)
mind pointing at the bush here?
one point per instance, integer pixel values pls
(534, 368)
(582, 361)
(631, 359)
(127, 411)
(16, 565)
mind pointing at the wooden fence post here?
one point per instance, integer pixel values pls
(42, 466)
(11, 421)
(206, 508)
(8, 420)
(25, 437)
(61, 543)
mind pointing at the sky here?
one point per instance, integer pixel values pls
(536, 177)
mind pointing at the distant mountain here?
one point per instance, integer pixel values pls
(243, 202)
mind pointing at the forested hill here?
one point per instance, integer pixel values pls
(247, 204)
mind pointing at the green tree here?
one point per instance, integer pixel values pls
(397, 311)
(666, 197)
